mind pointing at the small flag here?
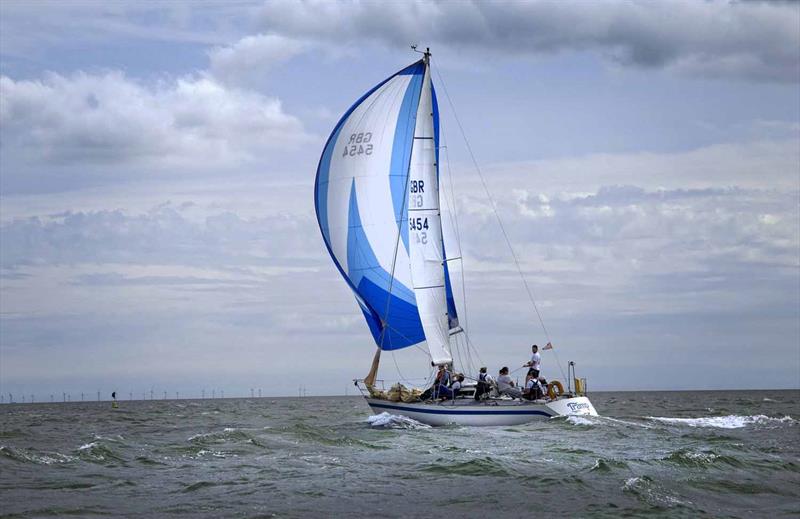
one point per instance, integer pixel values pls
(547, 346)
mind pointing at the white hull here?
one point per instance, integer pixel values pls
(491, 412)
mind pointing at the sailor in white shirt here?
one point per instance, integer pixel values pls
(506, 386)
(535, 363)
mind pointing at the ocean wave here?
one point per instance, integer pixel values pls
(600, 420)
(44, 458)
(688, 458)
(486, 466)
(392, 421)
(607, 465)
(228, 434)
(206, 452)
(645, 489)
(96, 451)
(726, 422)
(579, 420)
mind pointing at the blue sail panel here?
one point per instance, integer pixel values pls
(452, 313)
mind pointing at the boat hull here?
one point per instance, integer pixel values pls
(495, 412)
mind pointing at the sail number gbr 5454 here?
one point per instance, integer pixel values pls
(359, 144)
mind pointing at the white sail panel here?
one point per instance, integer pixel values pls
(425, 231)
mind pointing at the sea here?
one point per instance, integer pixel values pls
(654, 454)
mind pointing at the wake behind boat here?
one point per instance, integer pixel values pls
(377, 201)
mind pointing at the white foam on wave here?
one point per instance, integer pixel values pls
(652, 493)
(700, 457)
(393, 421)
(87, 446)
(602, 420)
(114, 438)
(216, 454)
(725, 422)
(47, 458)
(579, 420)
(633, 483)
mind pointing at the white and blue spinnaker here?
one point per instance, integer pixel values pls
(377, 204)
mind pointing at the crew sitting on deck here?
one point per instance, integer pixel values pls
(456, 386)
(441, 383)
(506, 386)
(446, 393)
(533, 389)
(485, 384)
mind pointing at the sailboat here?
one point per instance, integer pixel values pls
(377, 203)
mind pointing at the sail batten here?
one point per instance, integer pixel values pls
(379, 159)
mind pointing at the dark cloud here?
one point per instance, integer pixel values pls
(756, 41)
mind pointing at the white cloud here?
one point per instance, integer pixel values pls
(617, 256)
(110, 118)
(252, 57)
(752, 40)
(162, 236)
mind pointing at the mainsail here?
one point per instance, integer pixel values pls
(377, 204)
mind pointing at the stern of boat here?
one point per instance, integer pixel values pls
(578, 405)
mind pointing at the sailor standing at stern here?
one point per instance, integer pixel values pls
(535, 363)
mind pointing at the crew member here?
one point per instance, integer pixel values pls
(535, 363)
(485, 384)
(506, 386)
(442, 381)
(533, 389)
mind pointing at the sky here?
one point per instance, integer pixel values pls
(157, 162)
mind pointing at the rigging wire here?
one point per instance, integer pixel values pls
(454, 222)
(499, 221)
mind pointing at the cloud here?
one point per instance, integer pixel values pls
(162, 236)
(252, 57)
(622, 265)
(757, 164)
(756, 41)
(109, 118)
(32, 29)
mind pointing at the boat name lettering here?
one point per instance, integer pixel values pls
(574, 406)
(359, 145)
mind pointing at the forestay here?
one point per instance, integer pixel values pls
(378, 164)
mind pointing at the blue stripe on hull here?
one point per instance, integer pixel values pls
(461, 412)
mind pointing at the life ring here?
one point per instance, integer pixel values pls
(552, 387)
